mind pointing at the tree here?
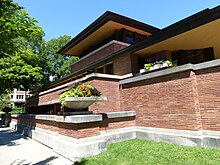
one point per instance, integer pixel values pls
(4, 101)
(58, 65)
(20, 39)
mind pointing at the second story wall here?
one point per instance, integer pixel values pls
(99, 54)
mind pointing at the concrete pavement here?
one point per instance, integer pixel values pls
(16, 149)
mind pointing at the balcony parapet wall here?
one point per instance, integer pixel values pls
(102, 52)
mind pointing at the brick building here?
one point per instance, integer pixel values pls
(179, 104)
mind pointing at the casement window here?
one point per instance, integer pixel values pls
(100, 70)
(109, 69)
(193, 56)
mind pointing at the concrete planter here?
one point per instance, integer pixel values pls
(158, 66)
(82, 102)
(155, 67)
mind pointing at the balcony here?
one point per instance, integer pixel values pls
(98, 54)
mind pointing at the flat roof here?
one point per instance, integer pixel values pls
(104, 27)
(204, 17)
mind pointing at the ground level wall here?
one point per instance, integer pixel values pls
(184, 98)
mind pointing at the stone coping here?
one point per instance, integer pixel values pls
(92, 98)
(99, 75)
(83, 118)
(120, 114)
(86, 118)
(100, 48)
(173, 70)
(69, 99)
(56, 101)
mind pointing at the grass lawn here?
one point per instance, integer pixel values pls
(143, 152)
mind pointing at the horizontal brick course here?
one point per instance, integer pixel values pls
(110, 89)
(106, 51)
(77, 130)
(165, 102)
(189, 100)
(209, 97)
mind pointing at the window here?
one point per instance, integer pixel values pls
(129, 37)
(100, 70)
(193, 56)
(20, 97)
(11, 96)
(109, 69)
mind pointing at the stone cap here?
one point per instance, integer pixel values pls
(86, 118)
(173, 70)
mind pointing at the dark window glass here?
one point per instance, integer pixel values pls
(193, 56)
(20, 97)
(129, 38)
(100, 70)
(109, 69)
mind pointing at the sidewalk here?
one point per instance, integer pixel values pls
(16, 149)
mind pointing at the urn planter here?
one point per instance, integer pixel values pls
(82, 102)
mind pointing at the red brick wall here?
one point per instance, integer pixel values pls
(45, 97)
(109, 88)
(188, 100)
(165, 102)
(50, 96)
(116, 123)
(122, 65)
(209, 97)
(114, 47)
(78, 130)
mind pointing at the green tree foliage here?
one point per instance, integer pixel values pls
(4, 101)
(26, 60)
(20, 39)
(58, 65)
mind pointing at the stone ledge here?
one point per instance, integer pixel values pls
(92, 75)
(111, 115)
(46, 117)
(32, 116)
(178, 69)
(83, 118)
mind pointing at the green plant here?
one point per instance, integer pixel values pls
(4, 101)
(147, 66)
(79, 90)
(169, 63)
(16, 111)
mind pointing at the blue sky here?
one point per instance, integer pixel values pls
(60, 17)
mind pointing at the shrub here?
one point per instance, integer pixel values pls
(79, 90)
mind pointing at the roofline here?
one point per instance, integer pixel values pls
(107, 16)
(198, 19)
(191, 22)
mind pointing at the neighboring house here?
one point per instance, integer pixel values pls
(18, 98)
(180, 104)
